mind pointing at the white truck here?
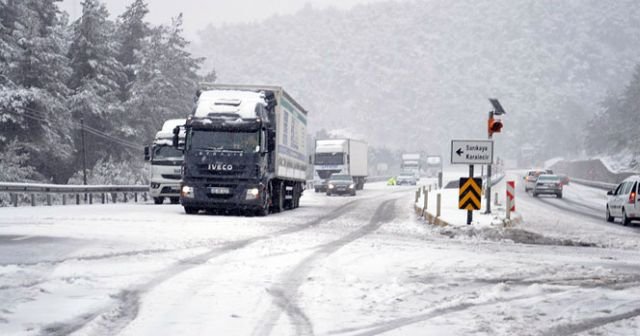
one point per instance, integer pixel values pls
(411, 162)
(245, 150)
(166, 164)
(340, 156)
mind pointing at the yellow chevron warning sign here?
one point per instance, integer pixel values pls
(470, 193)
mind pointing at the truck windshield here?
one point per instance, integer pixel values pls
(329, 158)
(166, 152)
(217, 140)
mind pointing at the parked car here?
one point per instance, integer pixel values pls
(547, 184)
(340, 184)
(623, 201)
(409, 179)
(532, 176)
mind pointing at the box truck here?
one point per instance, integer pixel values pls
(340, 156)
(166, 163)
(244, 150)
(411, 163)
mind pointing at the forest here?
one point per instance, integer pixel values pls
(112, 80)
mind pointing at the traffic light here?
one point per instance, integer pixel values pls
(495, 126)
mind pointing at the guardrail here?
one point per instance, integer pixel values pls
(594, 184)
(32, 189)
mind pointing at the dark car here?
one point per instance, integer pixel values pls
(341, 185)
(547, 184)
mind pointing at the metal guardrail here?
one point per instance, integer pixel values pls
(594, 184)
(16, 189)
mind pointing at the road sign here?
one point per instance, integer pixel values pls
(472, 152)
(511, 195)
(470, 191)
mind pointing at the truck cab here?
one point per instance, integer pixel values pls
(166, 164)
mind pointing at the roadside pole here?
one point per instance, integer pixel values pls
(470, 212)
(489, 174)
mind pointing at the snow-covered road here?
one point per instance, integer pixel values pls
(335, 266)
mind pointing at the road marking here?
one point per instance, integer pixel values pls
(21, 238)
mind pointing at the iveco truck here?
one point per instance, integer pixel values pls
(340, 156)
(244, 150)
(166, 163)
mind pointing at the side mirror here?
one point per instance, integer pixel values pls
(147, 155)
(176, 137)
(610, 193)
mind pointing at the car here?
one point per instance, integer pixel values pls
(547, 184)
(340, 184)
(531, 177)
(622, 202)
(409, 179)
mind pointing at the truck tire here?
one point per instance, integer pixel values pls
(174, 200)
(278, 198)
(158, 200)
(191, 210)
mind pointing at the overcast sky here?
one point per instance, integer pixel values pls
(199, 13)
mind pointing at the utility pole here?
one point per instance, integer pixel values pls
(84, 154)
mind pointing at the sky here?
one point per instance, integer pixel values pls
(200, 13)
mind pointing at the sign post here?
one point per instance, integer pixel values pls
(471, 152)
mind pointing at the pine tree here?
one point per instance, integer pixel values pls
(132, 32)
(35, 73)
(166, 81)
(96, 74)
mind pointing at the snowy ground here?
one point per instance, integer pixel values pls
(336, 266)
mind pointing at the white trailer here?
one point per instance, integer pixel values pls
(340, 156)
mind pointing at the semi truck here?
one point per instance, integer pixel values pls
(340, 156)
(245, 150)
(166, 162)
(411, 163)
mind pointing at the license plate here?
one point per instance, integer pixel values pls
(219, 191)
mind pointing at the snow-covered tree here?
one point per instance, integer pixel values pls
(165, 83)
(35, 70)
(132, 32)
(96, 78)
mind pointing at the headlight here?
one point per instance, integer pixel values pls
(187, 192)
(252, 194)
(331, 186)
(351, 186)
(155, 185)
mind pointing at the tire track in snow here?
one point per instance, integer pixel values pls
(383, 327)
(585, 325)
(115, 317)
(285, 295)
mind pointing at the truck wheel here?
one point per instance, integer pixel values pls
(158, 200)
(191, 210)
(174, 200)
(278, 205)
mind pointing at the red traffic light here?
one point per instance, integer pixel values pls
(495, 126)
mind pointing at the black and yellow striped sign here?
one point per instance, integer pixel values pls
(470, 193)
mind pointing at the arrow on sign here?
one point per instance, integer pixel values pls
(459, 152)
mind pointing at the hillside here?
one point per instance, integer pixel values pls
(414, 74)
